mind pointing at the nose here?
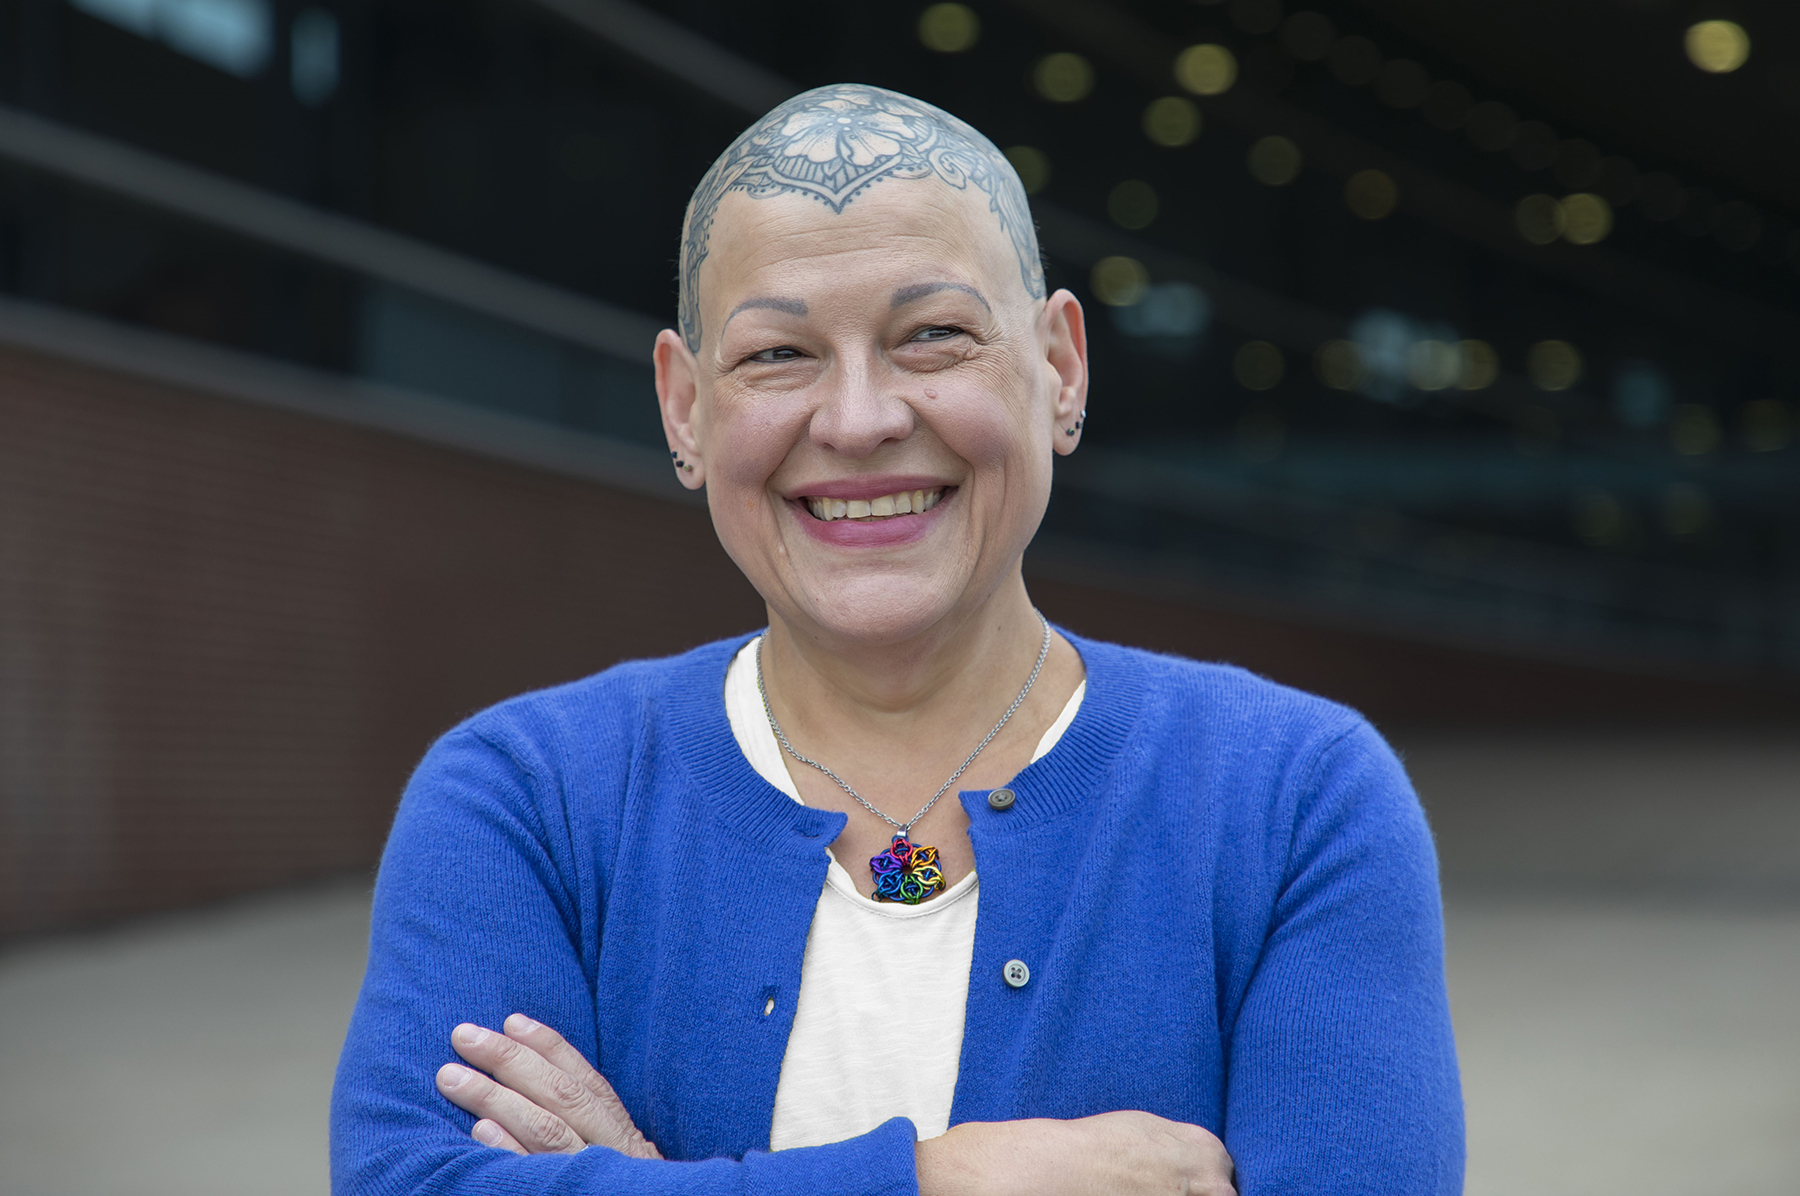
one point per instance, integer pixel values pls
(858, 415)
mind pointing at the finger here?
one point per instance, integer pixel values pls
(536, 1129)
(489, 1133)
(607, 1122)
(544, 1085)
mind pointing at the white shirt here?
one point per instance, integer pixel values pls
(883, 987)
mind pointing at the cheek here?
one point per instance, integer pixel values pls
(752, 436)
(985, 417)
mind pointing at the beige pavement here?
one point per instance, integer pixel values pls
(1624, 946)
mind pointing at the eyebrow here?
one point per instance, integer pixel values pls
(793, 307)
(914, 293)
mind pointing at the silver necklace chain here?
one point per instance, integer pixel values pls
(906, 826)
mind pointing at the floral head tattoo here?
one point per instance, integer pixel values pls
(831, 143)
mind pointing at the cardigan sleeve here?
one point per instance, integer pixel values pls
(1343, 1075)
(475, 917)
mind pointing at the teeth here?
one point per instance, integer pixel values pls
(906, 502)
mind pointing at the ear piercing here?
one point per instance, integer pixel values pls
(679, 463)
(1078, 423)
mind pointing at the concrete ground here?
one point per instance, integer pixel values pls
(1624, 954)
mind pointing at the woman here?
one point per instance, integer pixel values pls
(911, 859)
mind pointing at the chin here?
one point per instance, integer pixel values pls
(882, 606)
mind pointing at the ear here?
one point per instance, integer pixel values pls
(677, 379)
(1065, 351)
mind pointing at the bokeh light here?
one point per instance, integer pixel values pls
(1477, 365)
(1686, 510)
(1173, 121)
(1338, 364)
(1553, 365)
(1693, 430)
(1619, 181)
(1033, 165)
(1533, 145)
(1132, 204)
(1599, 518)
(1371, 194)
(1448, 105)
(1491, 126)
(1274, 161)
(1308, 36)
(1063, 78)
(1432, 364)
(1768, 427)
(1540, 219)
(1206, 69)
(1256, 16)
(1354, 60)
(1717, 47)
(1168, 311)
(1699, 212)
(1586, 218)
(1641, 394)
(949, 28)
(1258, 365)
(1119, 281)
(1402, 83)
(1576, 164)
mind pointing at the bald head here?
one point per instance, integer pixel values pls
(832, 143)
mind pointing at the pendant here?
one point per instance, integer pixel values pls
(905, 872)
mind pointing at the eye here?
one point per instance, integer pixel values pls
(937, 332)
(783, 353)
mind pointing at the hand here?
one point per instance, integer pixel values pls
(547, 1098)
(1112, 1154)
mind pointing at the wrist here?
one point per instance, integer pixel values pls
(943, 1164)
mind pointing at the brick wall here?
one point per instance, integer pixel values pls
(228, 631)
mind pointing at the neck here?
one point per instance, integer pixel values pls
(955, 667)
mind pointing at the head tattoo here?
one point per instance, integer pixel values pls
(831, 143)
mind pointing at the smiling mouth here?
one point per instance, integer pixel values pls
(888, 506)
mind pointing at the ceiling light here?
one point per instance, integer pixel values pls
(1717, 47)
(1586, 218)
(1206, 69)
(1258, 365)
(1063, 78)
(1172, 121)
(1553, 365)
(1371, 194)
(949, 28)
(1033, 166)
(1274, 161)
(1119, 281)
(1132, 204)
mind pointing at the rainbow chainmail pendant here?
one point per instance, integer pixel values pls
(905, 872)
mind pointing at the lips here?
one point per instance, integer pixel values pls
(885, 506)
(871, 512)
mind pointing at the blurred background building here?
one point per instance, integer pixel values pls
(1447, 362)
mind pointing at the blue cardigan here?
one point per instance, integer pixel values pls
(1225, 891)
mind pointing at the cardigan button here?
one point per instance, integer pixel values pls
(1002, 799)
(1016, 973)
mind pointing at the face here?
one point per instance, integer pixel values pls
(875, 404)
